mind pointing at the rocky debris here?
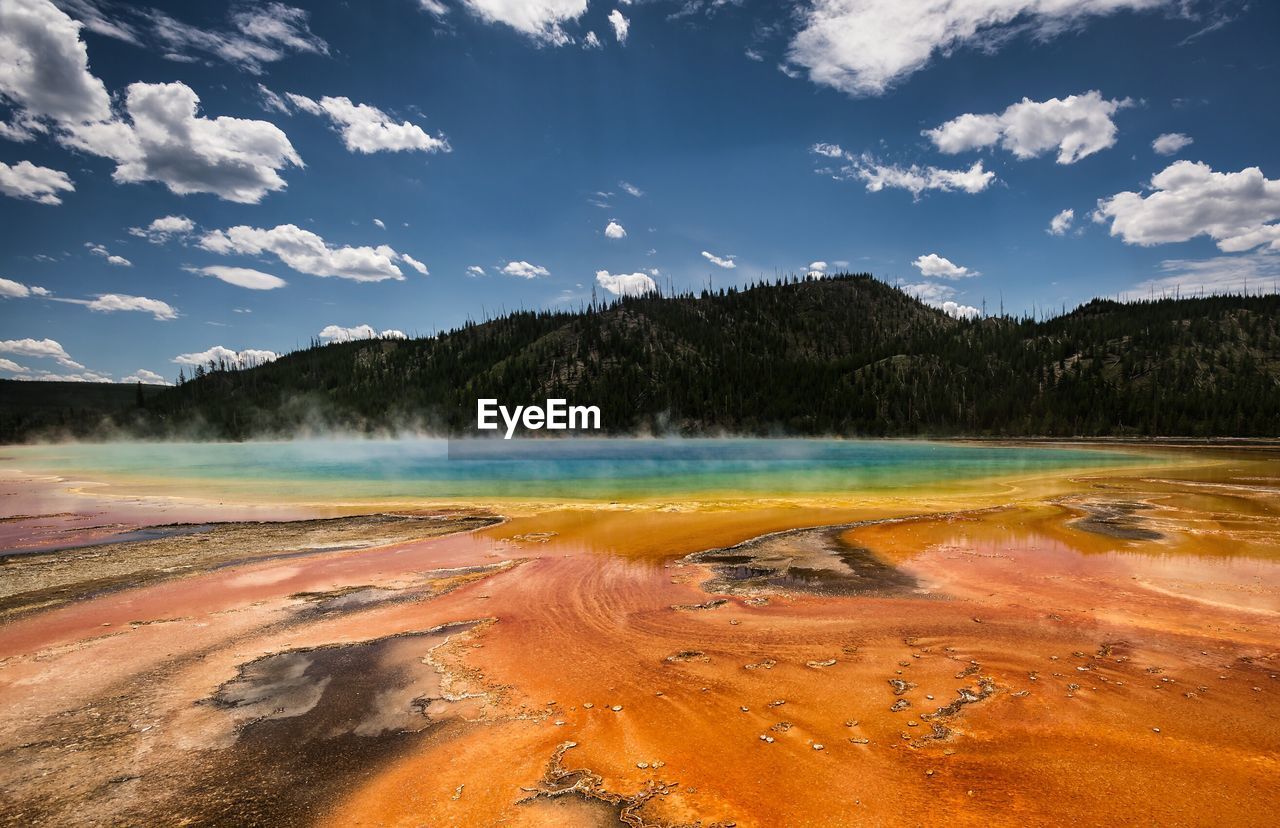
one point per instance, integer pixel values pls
(706, 605)
(819, 664)
(973, 668)
(899, 686)
(899, 705)
(688, 655)
(588, 785)
(765, 664)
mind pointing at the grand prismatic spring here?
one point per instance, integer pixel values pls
(734, 632)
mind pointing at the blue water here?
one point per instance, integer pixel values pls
(559, 469)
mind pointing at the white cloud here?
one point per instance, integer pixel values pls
(817, 269)
(34, 183)
(164, 228)
(542, 20)
(630, 189)
(99, 250)
(367, 129)
(613, 230)
(40, 348)
(1171, 142)
(158, 135)
(378, 223)
(915, 179)
(937, 267)
(166, 140)
(1251, 273)
(414, 263)
(337, 333)
(435, 7)
(272, 102)
(940, 297)
(82, 376)
(10, 289)
(259, 34)
(44, 68)
(726, 262)
(1190, 199)
(1061, 223)
(621, 25)
(958, 310)
(525, 270)
(1076, 126)
(247, 358)
(13, 367)
(592, 41)
(146, 377)
(244, 277)
(307, 252)
(626, 284)
(862, 47)
(112, 302)
(475, 270)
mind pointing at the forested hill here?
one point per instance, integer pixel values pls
(848, 355)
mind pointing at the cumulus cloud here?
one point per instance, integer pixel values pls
(158, 135)
(367, 129)
(1238, 210)
(541, 20)
(475, 270)
(630, 189)
(938, 267)
(592, 41)
(307, 252)
(621, 25)
(816, 269)
(1076, 126)
(13, 367)
(44, 68)
(626, 284)
(10, 289)
(379, 224)
(34, 183)
(940, 296)
(524, 270)
(40, 348)
(1171, 143)
(248, 358)
(112, 259)
(244, 277)
(337, 333)
(613, 230)
(863, 47)
(726, 262)
(915, 179)
(168, 141)
(146, 377)
(1061, 223)
(163, 229)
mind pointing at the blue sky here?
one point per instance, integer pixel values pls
(930, 144)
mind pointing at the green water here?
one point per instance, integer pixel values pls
(551, 469)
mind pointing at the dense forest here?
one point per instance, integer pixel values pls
(847, 355)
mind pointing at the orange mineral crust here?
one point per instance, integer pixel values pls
(1099, 651)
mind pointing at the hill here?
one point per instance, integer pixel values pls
(847, 355)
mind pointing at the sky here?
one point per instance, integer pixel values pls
(182, 181)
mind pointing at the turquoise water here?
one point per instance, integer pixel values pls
(555, 469)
